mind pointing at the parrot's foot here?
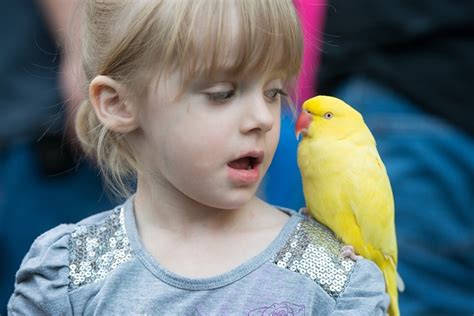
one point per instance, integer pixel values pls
(303, 211)
(348, 251)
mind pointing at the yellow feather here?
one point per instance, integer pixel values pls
(346, 186)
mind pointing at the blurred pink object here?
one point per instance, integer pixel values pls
(311, 13)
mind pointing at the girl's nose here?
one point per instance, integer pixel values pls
(257, 115)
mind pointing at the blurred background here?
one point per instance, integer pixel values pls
(405, 65)
(408, 67)
(42, 180)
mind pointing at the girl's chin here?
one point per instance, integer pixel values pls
(242, 202)
(235, 201)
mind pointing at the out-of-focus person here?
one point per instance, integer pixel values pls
(41, 181)
(407, 66)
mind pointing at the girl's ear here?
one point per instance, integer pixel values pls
(108, 97)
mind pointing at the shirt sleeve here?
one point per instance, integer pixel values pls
(41, 286)
(365, 293)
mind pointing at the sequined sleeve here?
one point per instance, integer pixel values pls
(356, 287)
(41, 286)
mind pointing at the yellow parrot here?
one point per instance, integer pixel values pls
(346, 186)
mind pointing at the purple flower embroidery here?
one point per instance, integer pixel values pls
(279, 309)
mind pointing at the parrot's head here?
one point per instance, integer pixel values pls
(325, 116)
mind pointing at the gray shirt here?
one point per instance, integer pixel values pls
(100, 267)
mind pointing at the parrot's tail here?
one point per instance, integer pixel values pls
(390, 274)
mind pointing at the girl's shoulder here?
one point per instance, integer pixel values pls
(57, 242)
(312, 250)
(50, 261)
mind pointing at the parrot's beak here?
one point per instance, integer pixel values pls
(302, 123)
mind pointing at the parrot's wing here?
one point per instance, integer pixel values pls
(372, 200)
(350, 178)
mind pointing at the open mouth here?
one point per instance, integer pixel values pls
(248, 162)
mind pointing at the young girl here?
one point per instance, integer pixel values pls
(185, 100)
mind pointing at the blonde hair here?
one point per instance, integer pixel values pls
(134, 41)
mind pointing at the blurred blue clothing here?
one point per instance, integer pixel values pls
(282, 183)
(431, 167)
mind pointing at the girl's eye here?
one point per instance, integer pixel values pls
(328, 115)
(273, 94)
(220, 97)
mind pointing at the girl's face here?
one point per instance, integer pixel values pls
(213, 143)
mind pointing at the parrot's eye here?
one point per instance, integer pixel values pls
(328, 115)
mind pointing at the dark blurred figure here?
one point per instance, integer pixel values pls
(408, 67)
(41, 184)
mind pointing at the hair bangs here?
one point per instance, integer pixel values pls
(258, 37)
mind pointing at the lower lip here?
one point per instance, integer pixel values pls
(244, 176)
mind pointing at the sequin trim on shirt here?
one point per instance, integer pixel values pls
(96, 250)
(312, 250)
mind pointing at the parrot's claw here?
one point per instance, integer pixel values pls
(303, 211)
(348, 252)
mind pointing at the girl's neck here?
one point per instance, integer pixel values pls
(163, 207)
(198, 241)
